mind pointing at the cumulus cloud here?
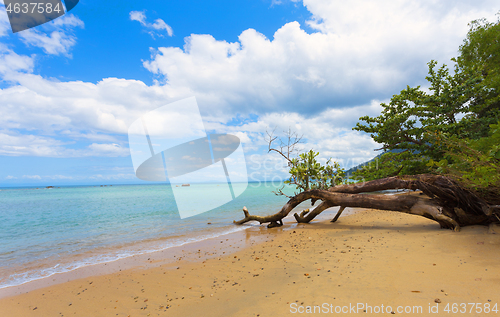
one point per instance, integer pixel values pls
(40, 115)
(317, 84)
(102, 113)
(61, 38)
(111, 105)
(155, 29)
(361, 50)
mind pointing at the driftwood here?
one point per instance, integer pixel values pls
(445, 202)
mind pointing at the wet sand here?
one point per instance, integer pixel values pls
(379, 261)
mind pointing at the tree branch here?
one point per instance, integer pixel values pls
(285, 149)
(450, 205)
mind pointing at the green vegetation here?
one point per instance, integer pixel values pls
(307, 173)
(453, 128)
(473, 162)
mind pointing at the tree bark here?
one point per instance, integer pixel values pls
(444, 202)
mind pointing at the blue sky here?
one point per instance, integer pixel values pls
(69, 89)
(115, 45)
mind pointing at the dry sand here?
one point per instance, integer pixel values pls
(371, 258)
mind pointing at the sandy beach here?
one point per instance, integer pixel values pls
(373, 262)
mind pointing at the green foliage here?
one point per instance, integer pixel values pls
(307, 173)
(474, 162)
(391, 164)
(458, 106)
(480, 57)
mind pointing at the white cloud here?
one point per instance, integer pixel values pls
(362, 50)
(59, 41)
(91, 135)
(278, 2)
(4, 22)
(12, 63)
(40, 109)
(138, 16)
(15, 144)
(243, 136)
(161, 25)
(32, 177)
(59, 177)
(158, 25)
(120, 176)
(112, 177)
(328, 133)
(97, 112)
(316, 84)
(108, 150)
(109, 106)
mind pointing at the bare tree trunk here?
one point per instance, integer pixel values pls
(445, 202)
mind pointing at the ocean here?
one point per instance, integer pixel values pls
(44, 231)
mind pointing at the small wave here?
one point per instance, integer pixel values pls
(17, 279)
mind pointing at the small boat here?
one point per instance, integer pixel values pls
(185, 185)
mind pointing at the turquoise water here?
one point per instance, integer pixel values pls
(48, 231)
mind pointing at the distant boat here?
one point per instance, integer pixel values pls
(185, 185)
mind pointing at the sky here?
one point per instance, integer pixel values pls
(71, 88)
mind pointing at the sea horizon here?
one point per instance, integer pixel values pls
(54, 185)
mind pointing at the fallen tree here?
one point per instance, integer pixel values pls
(443, 201)
(446, 137)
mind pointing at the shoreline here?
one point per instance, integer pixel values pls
(77, 227)
(188, 250)
(163, 255)
(372, 257)
(130, 256)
